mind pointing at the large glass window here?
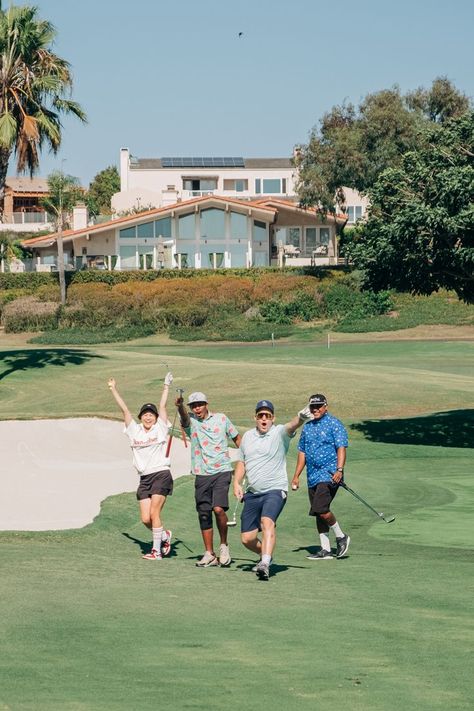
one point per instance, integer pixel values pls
(271, 185)
(197, 184)
(238, 185)
(145, 231)
(238, 226)
(182, 260)
(260, 259)
(294, 236)
(259, 231)
(324, 235)
(186, 227)
(238, 255)
(310, 238)
(213, 224)
(163, 228)
(128, 233)
(128, 259)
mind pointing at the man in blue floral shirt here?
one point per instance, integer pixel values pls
(322, 450)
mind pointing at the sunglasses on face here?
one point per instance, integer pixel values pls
(266, 415)
(197, 404)
(316, 407)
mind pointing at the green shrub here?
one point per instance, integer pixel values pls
(83, 336)
(29, 314)
(27, 280)
(228, 327)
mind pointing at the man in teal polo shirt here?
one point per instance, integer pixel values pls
(264, 450)
(209, 433)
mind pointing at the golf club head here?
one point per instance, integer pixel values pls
(231, 523)
(389, 520)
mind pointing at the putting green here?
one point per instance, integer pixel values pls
(90, 625)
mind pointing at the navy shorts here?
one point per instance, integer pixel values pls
(212, 490)
(157, 483)
(270, 504)
(320, 497)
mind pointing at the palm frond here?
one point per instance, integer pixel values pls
(8, 130)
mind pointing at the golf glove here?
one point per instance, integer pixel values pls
(305, 414)
(168, 378)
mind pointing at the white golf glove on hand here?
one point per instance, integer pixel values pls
(305, 414)
(168, 378)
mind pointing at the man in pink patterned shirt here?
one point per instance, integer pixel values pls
(209, 433)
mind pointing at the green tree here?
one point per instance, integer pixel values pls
(419, 236)
(103, 186)
(35, 88)
(64, 193)
(352, 147)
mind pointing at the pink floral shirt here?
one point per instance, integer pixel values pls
(209, 446)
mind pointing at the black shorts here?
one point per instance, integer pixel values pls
(212, 490)
(157, 483)
(320, 497)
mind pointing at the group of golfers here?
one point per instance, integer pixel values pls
(260, 478)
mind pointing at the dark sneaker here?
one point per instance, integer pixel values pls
(342, 546)
(321, 555)
(263, 571)
(166, 543)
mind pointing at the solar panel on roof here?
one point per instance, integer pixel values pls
(204, 162)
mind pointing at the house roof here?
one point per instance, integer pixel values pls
(27, 185)
(157, 212)
(249, 163)
(279, 203)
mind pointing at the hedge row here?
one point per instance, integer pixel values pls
(32, 280)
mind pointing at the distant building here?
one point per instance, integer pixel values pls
(157, 182)
(209, 231)
(20, 208)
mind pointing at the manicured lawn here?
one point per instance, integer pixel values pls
(87, 624)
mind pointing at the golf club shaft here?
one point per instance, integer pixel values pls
(363, 501)
(171, 435)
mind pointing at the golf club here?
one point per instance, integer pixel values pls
(233, 521)
(180, 392)
(390, 519)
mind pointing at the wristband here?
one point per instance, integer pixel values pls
(340, 469)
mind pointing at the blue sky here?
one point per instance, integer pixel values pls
(168, 78)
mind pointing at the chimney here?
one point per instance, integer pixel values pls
(80, 216)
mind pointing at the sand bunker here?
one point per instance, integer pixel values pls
(55, 473)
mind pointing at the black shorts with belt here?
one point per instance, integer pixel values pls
(156, 483)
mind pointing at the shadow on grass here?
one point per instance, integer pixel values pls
(454, 428)
(31, 359)
(145, 546)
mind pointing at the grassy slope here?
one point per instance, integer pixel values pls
(92, 626)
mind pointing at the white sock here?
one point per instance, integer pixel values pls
(325, 543)
(337, 530)
(266, 559)
(157, 533)
(164, 537)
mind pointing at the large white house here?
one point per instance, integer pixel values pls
(209, 231)
(157, 182)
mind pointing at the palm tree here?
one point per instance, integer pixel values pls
(63, 193)
(35, 86)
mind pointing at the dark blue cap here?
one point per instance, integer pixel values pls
(264, 405)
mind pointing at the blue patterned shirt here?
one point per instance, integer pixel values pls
(319, 441)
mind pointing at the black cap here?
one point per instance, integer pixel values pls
(318, 399)
(147, 407)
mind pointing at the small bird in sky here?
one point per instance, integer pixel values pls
(241, 34)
